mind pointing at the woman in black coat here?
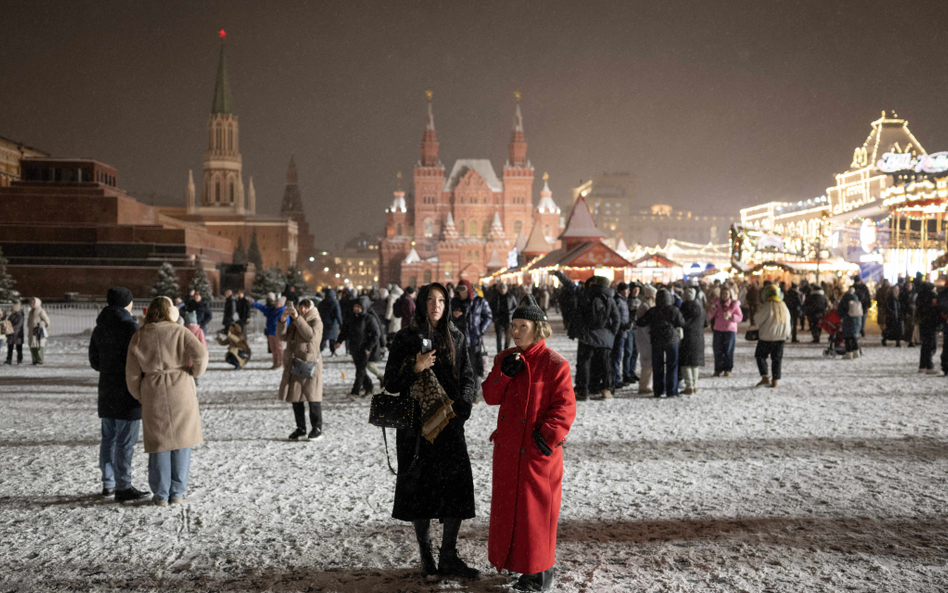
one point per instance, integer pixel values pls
(691, 350)
(439, 484)
(894, 322)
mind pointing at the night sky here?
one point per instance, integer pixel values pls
(714, 105)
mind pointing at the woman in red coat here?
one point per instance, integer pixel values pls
(533, 387)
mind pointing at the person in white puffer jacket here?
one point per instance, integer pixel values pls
(773, 323)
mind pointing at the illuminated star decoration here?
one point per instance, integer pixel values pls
(222, 34)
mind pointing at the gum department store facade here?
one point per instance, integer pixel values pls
(464, 224)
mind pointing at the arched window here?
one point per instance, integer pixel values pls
(485, 228)
(398, 229)
(218, 137)
(517, 226)
(477, 256)
(472, 228)
(461, 227)
(448, 269)
(230, 139)
(546, 230)
(429, 229)
(217, 191)
(427, 276)
(231, 192)
(413, 281)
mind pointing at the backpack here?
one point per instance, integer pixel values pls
(855, 308)
(598, 312)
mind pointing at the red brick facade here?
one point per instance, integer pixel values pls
(457, 221)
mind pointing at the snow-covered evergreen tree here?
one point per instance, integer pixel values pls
(253, 252)
(240, 254)
(7, 294)
(167, 282)
(272, 280)
(200, 283)
(294, 277)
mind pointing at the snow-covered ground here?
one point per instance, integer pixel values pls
(835, 481)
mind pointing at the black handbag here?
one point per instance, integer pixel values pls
(752, 335)
(394, 411)
(303, 368)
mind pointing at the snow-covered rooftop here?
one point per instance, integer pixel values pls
(483, 168)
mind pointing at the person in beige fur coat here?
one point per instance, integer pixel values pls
(302, 336)
(163, 360)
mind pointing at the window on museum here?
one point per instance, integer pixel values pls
(477, 256)
(217, 191)
(230, 139)
(546, 230)
(472, 228)
(485, 228)
(448, 269)
(231, 192)
(398, 229)
(427, 277)
(517, 226)
(218, 133)
(413, 281)
(429, 227)
(461, 228)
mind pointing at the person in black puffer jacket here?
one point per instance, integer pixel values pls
(120, 414)
(691, 350)
(928, 323)
(663, 321)
(361, 333)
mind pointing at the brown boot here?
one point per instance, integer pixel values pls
(606, 394)
(763, 381)
(717, 374)
(773, 383)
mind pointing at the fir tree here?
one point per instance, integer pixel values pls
(240, 254)
(167, 282)
(272, 280)
(199, 282)
(294, 277)
(253, 252)
(7, 294)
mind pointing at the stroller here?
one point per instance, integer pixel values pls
(833, 326)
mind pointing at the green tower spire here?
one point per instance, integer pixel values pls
(222, 99)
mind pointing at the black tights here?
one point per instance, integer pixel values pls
(449, 539)
(315, 415)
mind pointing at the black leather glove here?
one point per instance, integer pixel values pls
(512, 364)
(541, 444)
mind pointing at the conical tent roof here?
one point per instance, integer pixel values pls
(581, 225)
(536, 243)
(494, 261)
(521, 241)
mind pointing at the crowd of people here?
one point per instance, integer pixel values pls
(149, 367)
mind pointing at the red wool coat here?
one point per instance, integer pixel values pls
(527, 486)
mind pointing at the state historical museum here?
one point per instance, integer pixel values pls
(466, 223)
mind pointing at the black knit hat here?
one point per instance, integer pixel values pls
(119, 297)
(529, 309)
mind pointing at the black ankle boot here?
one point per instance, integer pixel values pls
(449, 563)
(428, 566)
(541, 581)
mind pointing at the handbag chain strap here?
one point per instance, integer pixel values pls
(388, 459)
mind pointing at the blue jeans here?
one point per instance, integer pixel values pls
(115, 452)
(665, 370)
(618, 356)
(722, 344)
(168, 473)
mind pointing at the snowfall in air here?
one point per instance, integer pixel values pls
(835, 481)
